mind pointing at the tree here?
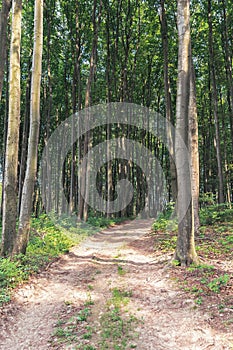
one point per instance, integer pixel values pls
(6, 6)
(185, 249)
(31, 170)
(84, 178)
(11, 158)
(168, 102)
(193, 131)
(215, 106)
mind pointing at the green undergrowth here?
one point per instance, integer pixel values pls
(214, 214)
(166, 221)
(215, 239)
(210, 282)
(47, 242)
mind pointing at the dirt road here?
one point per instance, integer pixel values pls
(170, 320)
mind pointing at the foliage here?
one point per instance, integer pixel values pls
(209, 283)
(165, 220)
(46, 243)
(212, 214)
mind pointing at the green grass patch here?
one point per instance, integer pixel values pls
(46, 243)
(117, 325)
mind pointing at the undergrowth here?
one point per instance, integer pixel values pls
(210, 282)
(46, 243)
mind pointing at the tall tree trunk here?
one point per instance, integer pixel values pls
(228, 66)
(84, 178)
(48, 11)
(29, 182)
(215, 106)
(76, 89)
(185, 249)
(5, 134)
(164, 30)
(5, 10)
(24, 144)
(11, 160)
(193, 127)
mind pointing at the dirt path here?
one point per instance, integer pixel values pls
(170, 319)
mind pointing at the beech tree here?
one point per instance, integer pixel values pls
(185, 249)
(12, 144)
(31, 170)
(5, 10)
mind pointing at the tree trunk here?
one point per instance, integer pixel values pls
(228, 66)
(29, 182)
(215, 107)
(5, 134)
(168, 102)
(84, 178)
(185, 249)
(193, 127)
(6, 6)
(24, 144)
(11, 160)
(76, 88)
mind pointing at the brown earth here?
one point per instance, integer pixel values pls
(170, 318)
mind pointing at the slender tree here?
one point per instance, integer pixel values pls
(29, 182)
(168, 102)
(84, 178)
(11, 158)
(193, 130)
(185, 249)
(5, 10)
(214, 96)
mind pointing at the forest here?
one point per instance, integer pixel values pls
(111, 111)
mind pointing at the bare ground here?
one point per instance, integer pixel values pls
(170, 318)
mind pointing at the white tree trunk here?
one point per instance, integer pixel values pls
(29, 182)
(12, 144)
(185, 249)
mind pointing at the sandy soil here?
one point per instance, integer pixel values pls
(170, 319)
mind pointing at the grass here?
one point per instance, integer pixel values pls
(210, 283)
(116, 329)
(71, 326)
(46, 243)
(117, 326)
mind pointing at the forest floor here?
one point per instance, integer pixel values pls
(108, 293)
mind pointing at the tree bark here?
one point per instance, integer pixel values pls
(24, 142)
(6, 6)
(228, 66)
(29, 182)
(193, 127)
(215, 107)
(84, 178)
(11, 160)
(185, 249)
(168, 102)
